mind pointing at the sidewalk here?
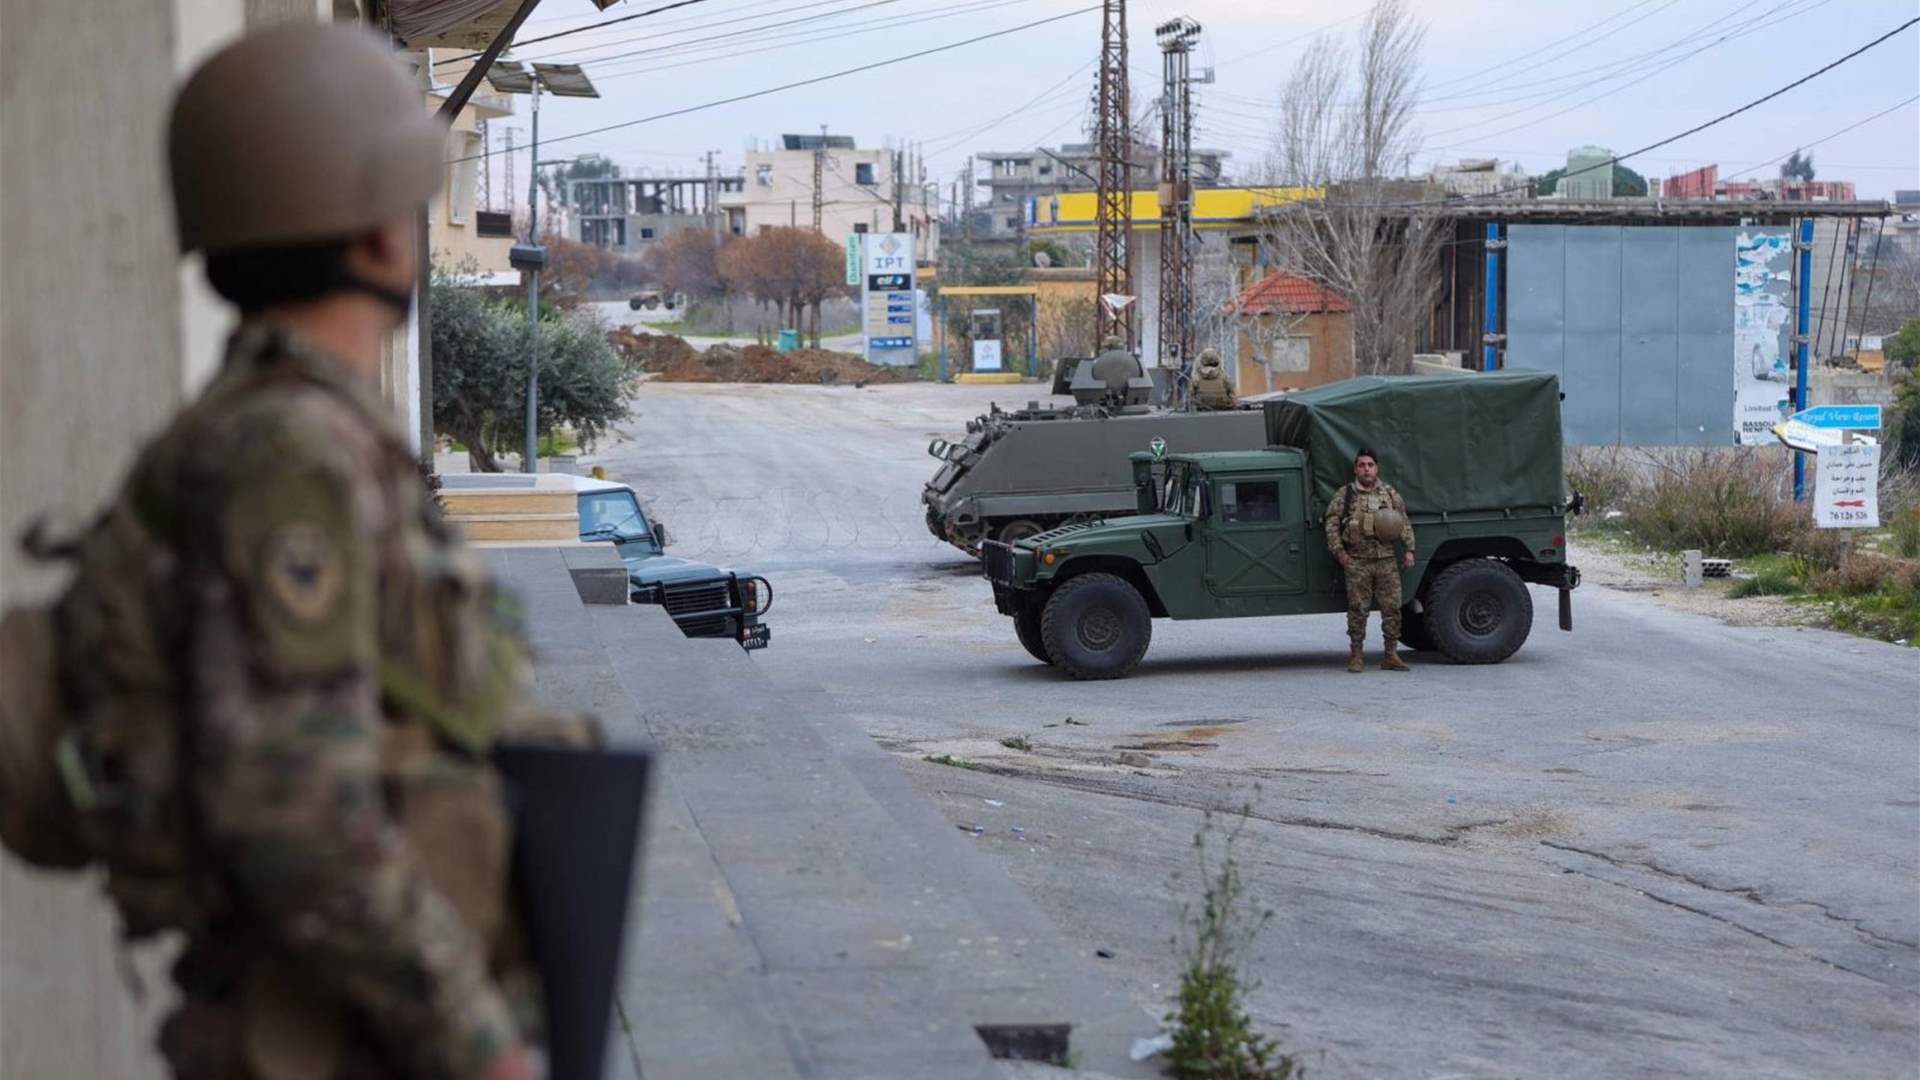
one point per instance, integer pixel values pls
(802, 912)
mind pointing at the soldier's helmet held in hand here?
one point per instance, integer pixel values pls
(298, 134)
(1387, 524)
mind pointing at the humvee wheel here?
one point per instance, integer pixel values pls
(1017, 530)
(1478, 612)
(1096, 626)
(1027, 626)
(1413, 630)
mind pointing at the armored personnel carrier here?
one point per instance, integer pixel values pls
(1021, 472)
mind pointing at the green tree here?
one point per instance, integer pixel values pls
(1626, 183)
(1903, 349)
(480, 372)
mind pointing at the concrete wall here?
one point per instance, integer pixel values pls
(1259, 368)
(103, 333)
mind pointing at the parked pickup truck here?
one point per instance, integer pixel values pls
(704, 600)
(1240, 533)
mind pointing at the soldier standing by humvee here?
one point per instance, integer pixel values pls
(275, 679)
(1364, 521)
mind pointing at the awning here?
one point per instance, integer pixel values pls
(454, 24)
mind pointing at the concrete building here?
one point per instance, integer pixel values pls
(1481, 178)
(859, 190)
(1589, 174)
(104, 333)
(1015, 180)
(629, 214)
(460, 231)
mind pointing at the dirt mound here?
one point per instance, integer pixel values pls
(760, 364)
(650, 352)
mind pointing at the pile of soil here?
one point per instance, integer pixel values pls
(650, 352)
(760, 364)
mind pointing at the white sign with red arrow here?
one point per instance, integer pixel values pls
(1846, 487)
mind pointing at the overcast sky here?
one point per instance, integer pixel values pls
(1520, 80)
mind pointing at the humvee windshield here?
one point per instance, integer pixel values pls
(1181, 491)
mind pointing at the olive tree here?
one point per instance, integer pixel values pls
(480, 372)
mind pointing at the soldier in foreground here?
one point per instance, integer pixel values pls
(1364, 521)
(276, 677)
(1211, 390)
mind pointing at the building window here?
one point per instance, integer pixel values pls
(863, 173)
(1046, 170)
(763, 175)
(859, 226)
(646, 233)
(1013, 223)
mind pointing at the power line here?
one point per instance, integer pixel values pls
(746, 31)
(1695, 130)
(1747, 28)
(1504, 64)
(815, 79)
(830, 33)
(581, 29)
(1828, 137)
(1628, 72)
(686, 26)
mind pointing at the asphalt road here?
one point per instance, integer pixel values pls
(1656, 846)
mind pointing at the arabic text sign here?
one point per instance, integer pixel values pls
(1845, 487)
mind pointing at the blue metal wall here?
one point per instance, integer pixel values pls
(1638, 323)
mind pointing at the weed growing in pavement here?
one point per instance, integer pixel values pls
(949, 759)
(1017, 742)
(1213, 1037)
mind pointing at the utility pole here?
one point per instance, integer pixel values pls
(1113, 213)
(899, 192)
(713, 195)
(509, 162)
(819, 174)
(966, 202)
(1175, 339)
(531, 463)
(486, 165)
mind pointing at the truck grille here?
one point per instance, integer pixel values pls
(693, 599)
(996, 560)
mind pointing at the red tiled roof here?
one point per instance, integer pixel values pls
(1284, 292)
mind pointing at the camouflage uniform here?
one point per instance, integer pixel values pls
(1373, 573)
(1211, 390)
(346, 665)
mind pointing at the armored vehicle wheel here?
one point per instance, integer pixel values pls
(1027, 626)
(1413, 630)
(1017, 530)
(1479, 612)
(1096, 626)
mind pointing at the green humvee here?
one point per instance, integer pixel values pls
(1241, 533)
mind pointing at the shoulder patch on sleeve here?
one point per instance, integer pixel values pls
(301, 572)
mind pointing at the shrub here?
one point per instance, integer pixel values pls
(1724, 502)
(1905, 534)
(1213, 1037)
(1772, 581)
(1602, 475)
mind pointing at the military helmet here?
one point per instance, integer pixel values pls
(299, 134)
(1388, 524)
(1209, 358)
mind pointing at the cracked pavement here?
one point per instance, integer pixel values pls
(1656, 846)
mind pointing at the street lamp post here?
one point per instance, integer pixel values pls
(564, 80)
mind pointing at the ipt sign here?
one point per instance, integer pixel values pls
(888, 298)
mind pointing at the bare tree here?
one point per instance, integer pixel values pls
(1346, 124)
